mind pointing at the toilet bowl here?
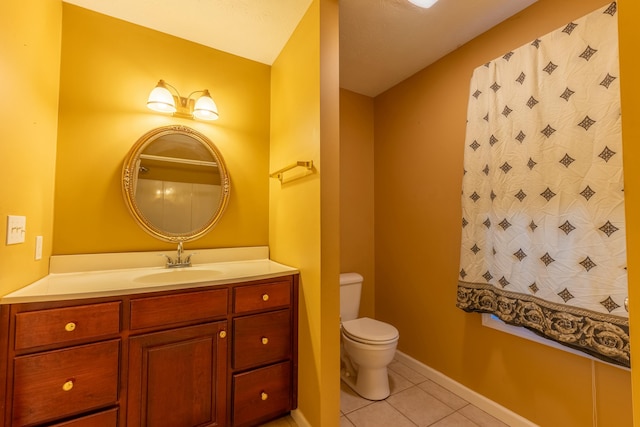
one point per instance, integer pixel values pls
(367, 355)
(367, 345)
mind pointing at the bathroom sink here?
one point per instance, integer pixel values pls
(178, 275)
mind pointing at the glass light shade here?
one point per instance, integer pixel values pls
(424, 3)
(161, 100)
(205, 108)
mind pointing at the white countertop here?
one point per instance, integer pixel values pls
(126, 281)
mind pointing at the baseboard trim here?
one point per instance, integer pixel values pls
(299, 418)
(489, 406)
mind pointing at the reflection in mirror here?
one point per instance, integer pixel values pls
(178, 184)
(175, 183)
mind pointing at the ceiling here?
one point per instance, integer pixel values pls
(382, 42)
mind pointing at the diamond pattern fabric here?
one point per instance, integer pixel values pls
(542, 199)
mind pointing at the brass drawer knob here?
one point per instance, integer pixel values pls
(70, 327)
(264, 396)
(68, 385)
(265, 297)
(223, 334)
(265, 340)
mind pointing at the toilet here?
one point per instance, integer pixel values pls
(367, 346)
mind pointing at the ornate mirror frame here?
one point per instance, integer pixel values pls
(131, 169)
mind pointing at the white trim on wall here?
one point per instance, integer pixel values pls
(491, 321)
(492, 408)
(299, 418)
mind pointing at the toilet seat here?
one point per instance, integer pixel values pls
(370, 331)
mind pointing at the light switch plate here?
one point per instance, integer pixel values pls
(16, 229)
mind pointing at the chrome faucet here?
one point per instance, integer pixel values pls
(179, 250)
(178, 261)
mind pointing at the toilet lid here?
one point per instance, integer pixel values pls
(369, 330)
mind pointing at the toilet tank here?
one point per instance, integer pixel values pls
(350, 289)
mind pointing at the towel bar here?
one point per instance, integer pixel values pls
(308, 164)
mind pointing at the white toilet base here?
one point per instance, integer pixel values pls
(364, 367)
(372, 384)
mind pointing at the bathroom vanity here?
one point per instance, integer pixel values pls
(210, 345)
(145, 338)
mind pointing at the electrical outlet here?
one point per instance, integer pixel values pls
(16, 229)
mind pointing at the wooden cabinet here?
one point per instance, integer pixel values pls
(223, 355)
(64, 326)
(65, 382)
(171, 309)
(261, 393)
(264, 352)
(262, 297)
(108, 418)
(178, 377)
(64, 361)
(261, 338)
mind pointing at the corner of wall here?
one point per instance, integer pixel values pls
(31, 39)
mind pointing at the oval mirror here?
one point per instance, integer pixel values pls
(175, 183)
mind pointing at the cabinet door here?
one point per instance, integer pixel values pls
(178, 377)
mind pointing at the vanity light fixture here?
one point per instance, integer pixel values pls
(162, 100)
(425, 4)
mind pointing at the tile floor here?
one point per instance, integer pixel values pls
(414, 401)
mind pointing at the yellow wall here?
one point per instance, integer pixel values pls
(356, 193)
(419, 129)
(29, 65)
(108, 69)
(629, 69)
(303, 213)
(330, 211)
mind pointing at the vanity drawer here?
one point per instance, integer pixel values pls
(178, 308)
(64, 325)
(261, 297)
(65, 382)
(107, 418)
(261, 339)
(261, 393)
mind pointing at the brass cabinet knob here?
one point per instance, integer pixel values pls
(265, 340)
(264, 396)
(223, 334)
(68, 385)
(70, 327)
(265, 297)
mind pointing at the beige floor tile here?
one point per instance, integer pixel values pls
(414, 400)
(455, 420)
(344, 422)
(350, 400)
(444, 395)
(480, 417)
(397, 382)
(419, 406)
(378, 414)
(407, 372)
